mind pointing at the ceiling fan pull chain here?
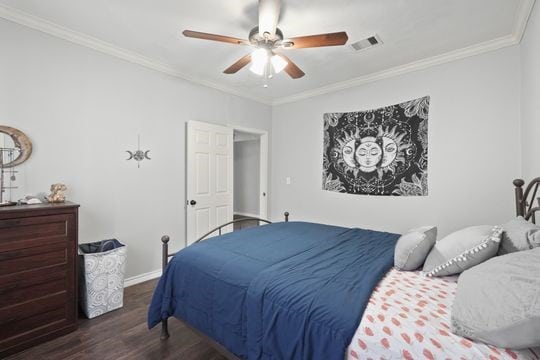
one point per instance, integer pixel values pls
(265, 85)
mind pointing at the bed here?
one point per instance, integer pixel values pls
(296, 290)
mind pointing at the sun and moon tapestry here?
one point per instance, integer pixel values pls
(380, 152)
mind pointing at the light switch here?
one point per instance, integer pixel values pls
(288, 180)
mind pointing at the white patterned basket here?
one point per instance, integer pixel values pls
(101, 281)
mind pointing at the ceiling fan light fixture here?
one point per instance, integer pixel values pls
(278, 63)
(259, 60)
(267, 37)
(257, 69)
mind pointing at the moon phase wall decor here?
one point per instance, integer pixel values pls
(138, 155)
(378, 152)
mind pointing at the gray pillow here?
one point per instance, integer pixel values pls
(519, 235)
(413, 247)
(498, 302)
(462, 250)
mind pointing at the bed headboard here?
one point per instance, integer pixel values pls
(525, 200)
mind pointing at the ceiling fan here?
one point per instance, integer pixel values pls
(266, 38)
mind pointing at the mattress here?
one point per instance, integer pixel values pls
(408, 317)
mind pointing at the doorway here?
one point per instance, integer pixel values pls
(250, 173)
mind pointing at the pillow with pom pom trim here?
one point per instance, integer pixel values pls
(462, 250)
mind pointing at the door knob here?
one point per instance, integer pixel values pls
(192, 202)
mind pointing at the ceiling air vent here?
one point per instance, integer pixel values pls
(370, 42)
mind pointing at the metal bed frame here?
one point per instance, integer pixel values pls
(524, 207)
(525, 199)
(165, 260)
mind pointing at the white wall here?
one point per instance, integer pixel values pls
(82, 110)
(530, 97)
(474, 148)
(246, 177)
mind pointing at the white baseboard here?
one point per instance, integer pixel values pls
(137, 279)
(246, 214)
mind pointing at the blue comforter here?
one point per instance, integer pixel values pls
(280, 291)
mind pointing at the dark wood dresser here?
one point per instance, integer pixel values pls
(38, 274)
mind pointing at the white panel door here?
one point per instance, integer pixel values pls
(209, 178)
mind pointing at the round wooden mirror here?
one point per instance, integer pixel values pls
(15, 147)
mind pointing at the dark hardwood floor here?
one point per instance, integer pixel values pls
(123, 334)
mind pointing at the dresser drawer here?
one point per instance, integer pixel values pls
(20, 312)
(24, 287)
(10, 332)
(24, 233)
(29, 320)
(32, 259)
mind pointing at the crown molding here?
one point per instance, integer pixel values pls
(50, 28)
(402, 69)
(520, 24)
(522, 18)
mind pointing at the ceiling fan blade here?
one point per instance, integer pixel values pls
(214, 37)
(292, 69)
(268, 16)
(330, 39)
(238, 65)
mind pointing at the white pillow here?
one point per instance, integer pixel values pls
(498, 302)
(413, 247)
(463, 249)
(519, 234)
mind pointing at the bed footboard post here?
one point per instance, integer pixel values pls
(164, 330)
(164, 252)
(286, 216)
(520, 205)
(164, 260)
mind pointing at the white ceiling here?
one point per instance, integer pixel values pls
(412, 31)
